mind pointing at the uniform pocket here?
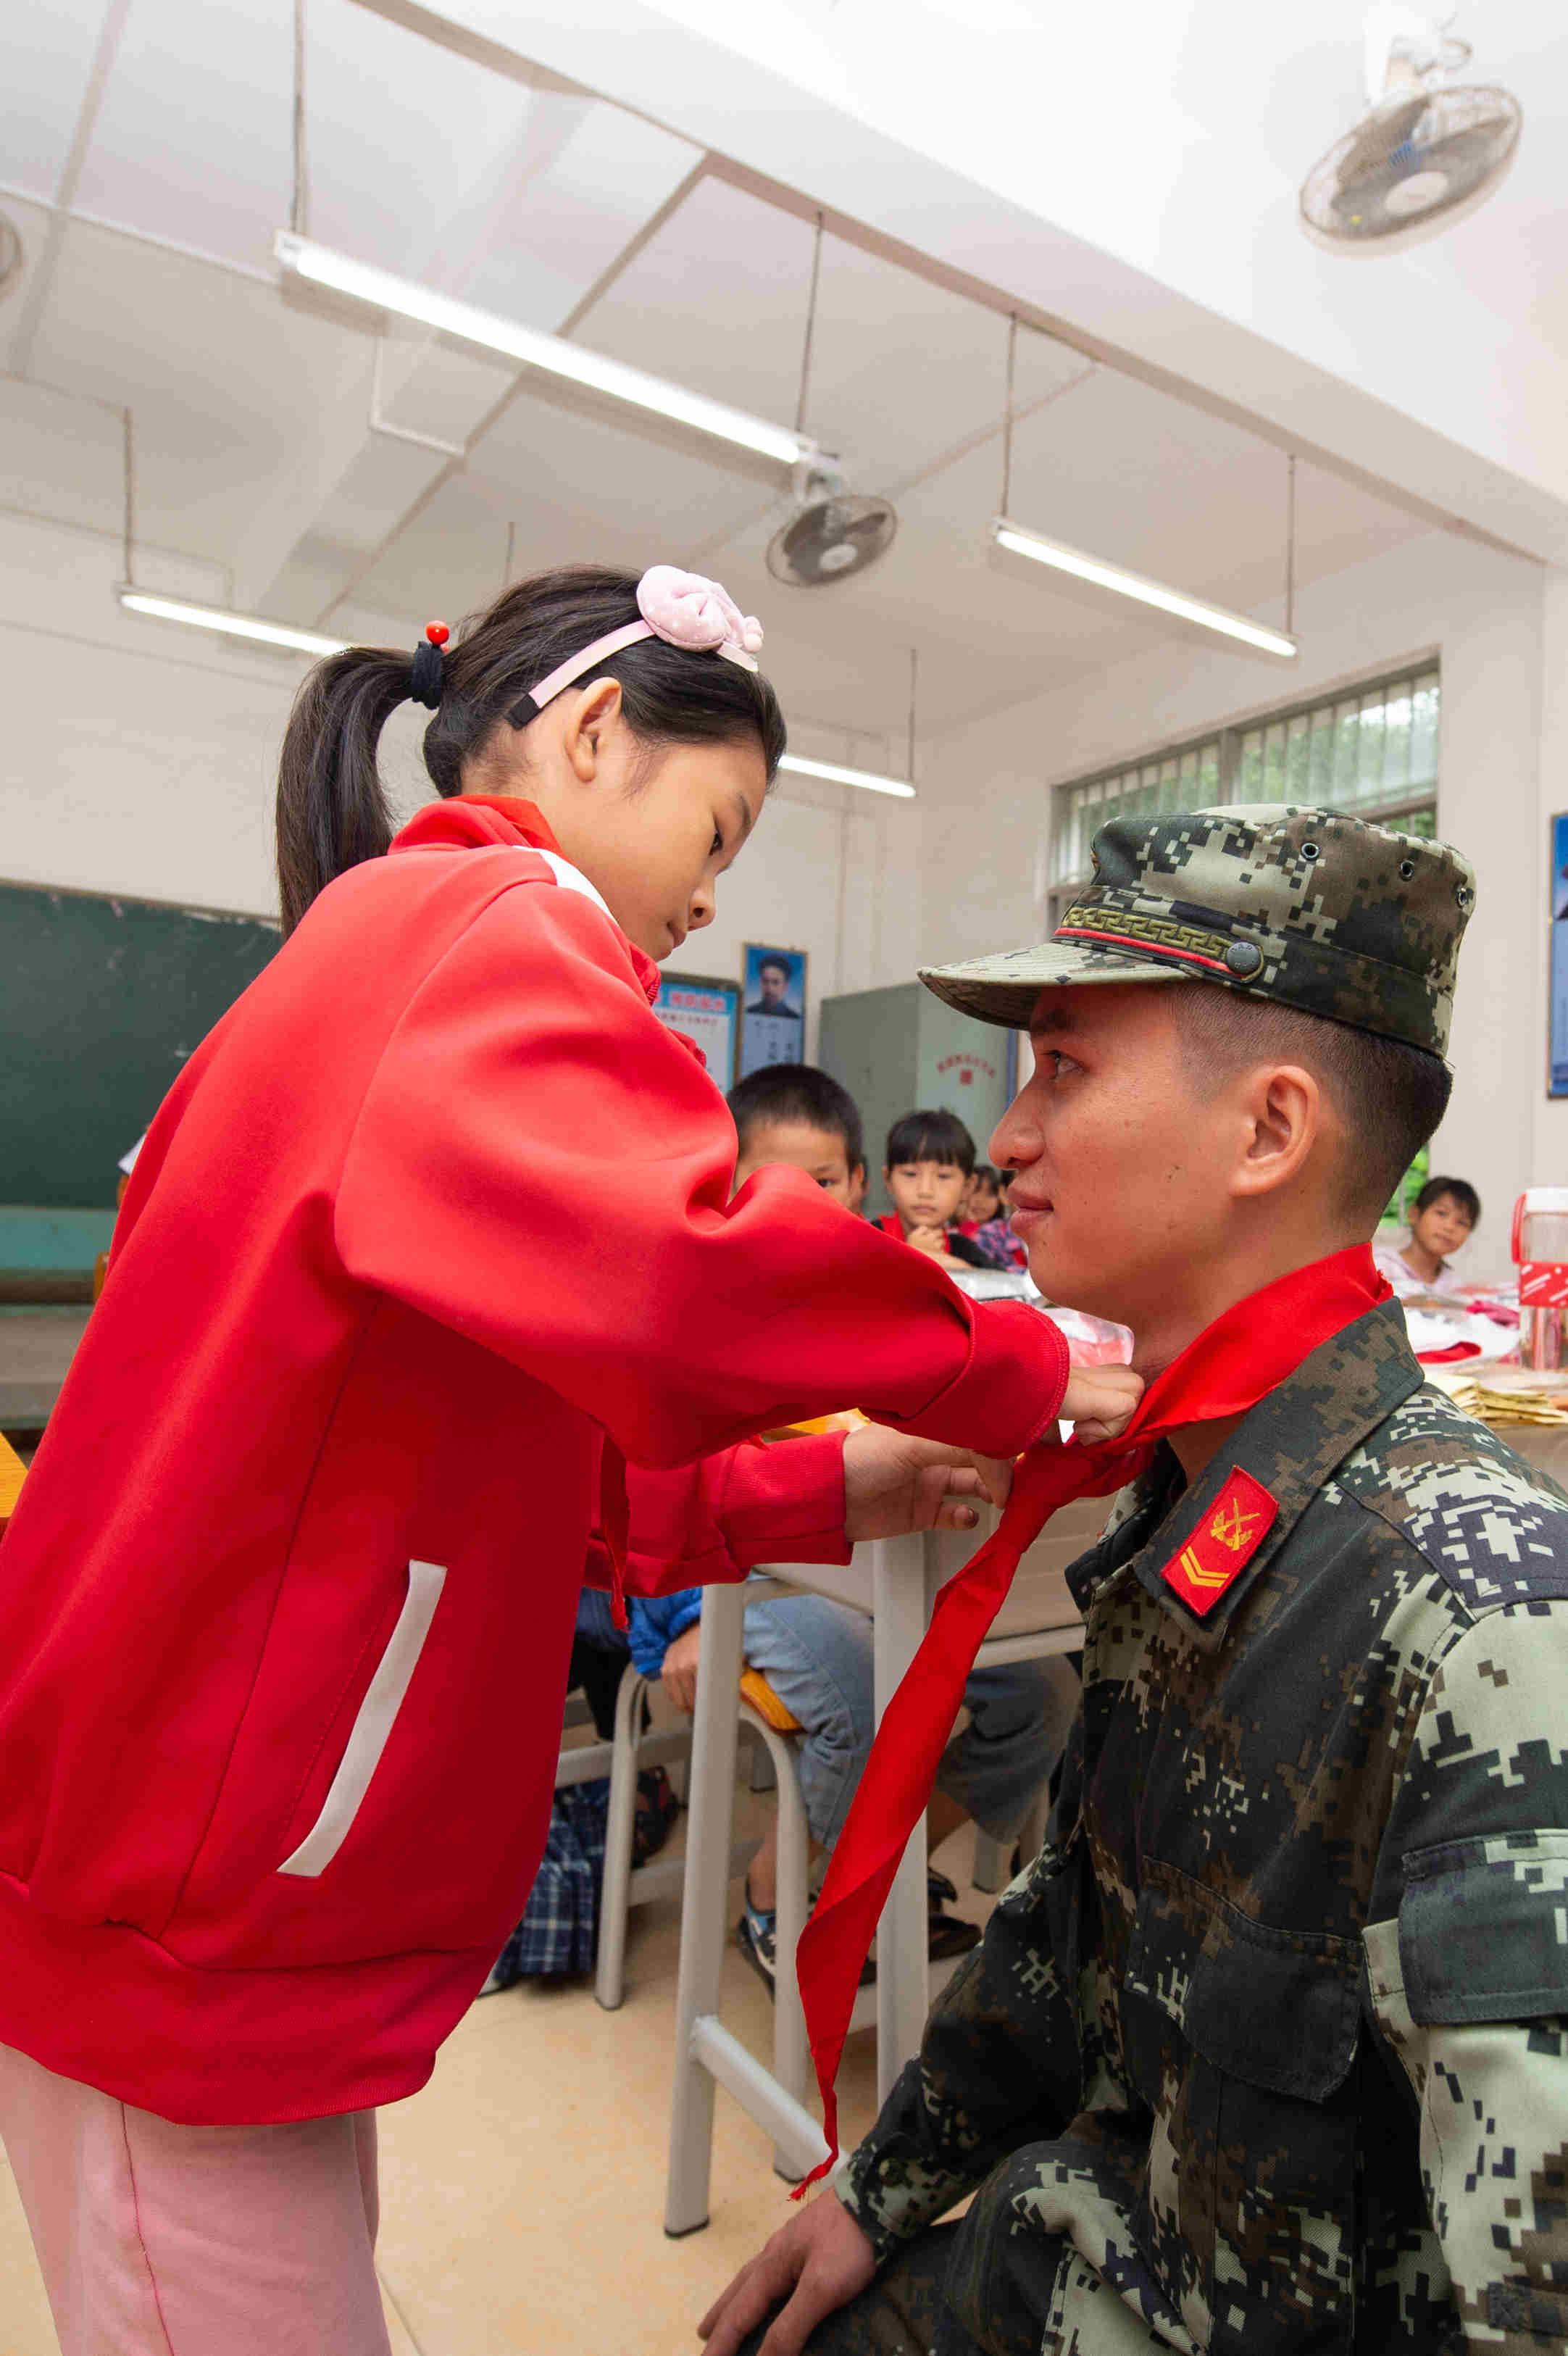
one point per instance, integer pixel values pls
(373, 1723)
(1242, 2037)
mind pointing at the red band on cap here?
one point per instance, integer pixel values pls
(1141, 948)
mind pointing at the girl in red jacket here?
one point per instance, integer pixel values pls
(431, 1234)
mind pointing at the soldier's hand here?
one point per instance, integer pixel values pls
(1100, 1401)
(819, 2261)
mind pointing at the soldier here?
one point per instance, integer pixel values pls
(1266, 2051)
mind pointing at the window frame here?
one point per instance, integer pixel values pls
(1227, 740)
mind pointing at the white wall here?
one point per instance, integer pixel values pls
(1499, 625)
(142, 758)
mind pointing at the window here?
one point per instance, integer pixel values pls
(1371, 751)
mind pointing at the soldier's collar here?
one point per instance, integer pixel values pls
(1219, 1537)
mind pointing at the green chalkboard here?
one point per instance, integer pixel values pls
(100, 1001)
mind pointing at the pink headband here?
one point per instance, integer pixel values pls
(681, 608)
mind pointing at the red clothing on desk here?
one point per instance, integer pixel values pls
(286, 1604)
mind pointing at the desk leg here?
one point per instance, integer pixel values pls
(901, 1609)
(704, 1900)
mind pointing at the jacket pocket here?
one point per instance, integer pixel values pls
(373, 1723)
(1241, 2038)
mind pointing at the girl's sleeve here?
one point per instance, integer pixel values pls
(705, 1524)
(539, 1164)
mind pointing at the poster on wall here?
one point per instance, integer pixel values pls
(708, 1011)
(1557, 1065)
(773, 992)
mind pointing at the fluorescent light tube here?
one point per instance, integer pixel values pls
(363, 283)
(840, 777)
(231, 626)
(1020, 542)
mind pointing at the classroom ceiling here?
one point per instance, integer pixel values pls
(146, 162)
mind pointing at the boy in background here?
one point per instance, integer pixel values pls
(817, 1656)
(793, 1113)
(929, 1161)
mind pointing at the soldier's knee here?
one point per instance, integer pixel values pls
(1004, 2263)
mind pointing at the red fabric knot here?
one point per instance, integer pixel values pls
(1246, 1353)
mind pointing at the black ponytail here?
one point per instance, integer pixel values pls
(332, 806)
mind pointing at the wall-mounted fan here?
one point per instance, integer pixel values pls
(1431, 150)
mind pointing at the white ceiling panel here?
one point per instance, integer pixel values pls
(192, 139)
(60, 457)
(42, 88)
(224, 377)
(568, 219)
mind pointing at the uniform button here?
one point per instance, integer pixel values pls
(1244, 958)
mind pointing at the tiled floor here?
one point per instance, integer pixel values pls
(522, 2190)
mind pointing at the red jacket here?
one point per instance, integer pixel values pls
(286, 1604)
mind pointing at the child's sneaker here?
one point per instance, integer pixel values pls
(756, 1936)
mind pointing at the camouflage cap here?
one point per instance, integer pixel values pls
(1304, 906)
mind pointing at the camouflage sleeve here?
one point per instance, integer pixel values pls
(1469, 1983)
(999, 2065)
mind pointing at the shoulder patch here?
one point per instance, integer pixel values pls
(1222, 1545)
(1487, 1522)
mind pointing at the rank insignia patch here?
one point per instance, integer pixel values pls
(1224, 1543)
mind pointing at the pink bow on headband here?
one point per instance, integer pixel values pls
(683, 609)
(689, 611)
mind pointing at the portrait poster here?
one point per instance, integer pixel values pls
(1557, 1065)
(708, 1011)
(773, 1001)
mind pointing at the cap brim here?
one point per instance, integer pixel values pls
(1005, 990)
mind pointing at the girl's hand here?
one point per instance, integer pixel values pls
(677, 1672)
(894, 1483)
(1100, 1401)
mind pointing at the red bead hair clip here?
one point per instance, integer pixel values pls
(437, 633)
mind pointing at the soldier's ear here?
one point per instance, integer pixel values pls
(1284, 1119)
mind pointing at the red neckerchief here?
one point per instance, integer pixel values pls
(1246, 1353)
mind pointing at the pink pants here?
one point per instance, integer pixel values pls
(158, 2240)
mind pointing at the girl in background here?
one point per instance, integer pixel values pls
(430, 1234)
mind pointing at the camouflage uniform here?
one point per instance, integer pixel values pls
(1266, 2053)
(1266, 2042)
